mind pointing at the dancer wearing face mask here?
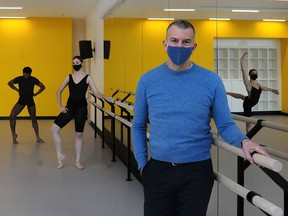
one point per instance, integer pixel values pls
(253, 89)
(78, 83)
(178, 98)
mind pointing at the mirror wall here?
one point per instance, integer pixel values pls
(136, 43)
(223, 37)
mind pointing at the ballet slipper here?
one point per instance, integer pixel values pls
(79, 166)
(60, 161)
(40, 141)
(14, 137)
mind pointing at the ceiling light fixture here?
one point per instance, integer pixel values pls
(274, 20)
(246, 11)
(11, 8)
(160, 18)
(12, 17)
(179, 10)
(219, 19)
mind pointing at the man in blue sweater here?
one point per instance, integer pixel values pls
(178, 99)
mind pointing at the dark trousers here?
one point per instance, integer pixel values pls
(177, 189)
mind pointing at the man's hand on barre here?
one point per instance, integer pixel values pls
(250, 147)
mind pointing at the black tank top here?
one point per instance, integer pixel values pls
(77, 93)
(254, 96)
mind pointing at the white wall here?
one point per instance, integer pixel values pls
(78, 33)
(94, 31)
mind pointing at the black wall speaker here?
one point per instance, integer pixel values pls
(85, 47)
(107, 44)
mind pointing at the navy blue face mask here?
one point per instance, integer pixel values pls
(179, 55)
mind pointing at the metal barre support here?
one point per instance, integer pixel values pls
(258, 160)
(125, 92)
(271, 174)
(128, 125)
(268, 124)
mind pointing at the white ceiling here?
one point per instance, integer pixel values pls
(78, 9)
(204, 9)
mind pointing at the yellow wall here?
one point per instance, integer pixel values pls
(44, 44)
(136, 46)
(284, 65)
(125, 64)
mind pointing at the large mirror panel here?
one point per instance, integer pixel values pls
(256, 31)
(222, 36)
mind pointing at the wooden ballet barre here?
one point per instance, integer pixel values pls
(245, 119)
(125, 92)
(259, 159)
(103, 109)
(276, 153)
(265, 123)
(126, 102)
(91, 93)
(271, 151)
(275, 126)
(123, 105)
(251, 196)
(124, 121)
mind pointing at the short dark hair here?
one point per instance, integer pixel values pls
(250, 71)
(78, 57)
(27, 70)
(182, 24)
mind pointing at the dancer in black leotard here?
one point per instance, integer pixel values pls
(251, 101)
(253, 89)
(26, 84)
(76, 108)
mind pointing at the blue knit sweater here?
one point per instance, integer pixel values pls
(179, 107)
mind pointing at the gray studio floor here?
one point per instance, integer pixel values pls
(31, 185)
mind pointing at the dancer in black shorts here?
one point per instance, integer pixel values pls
(76, 109)
(26, 84)
(253, 89)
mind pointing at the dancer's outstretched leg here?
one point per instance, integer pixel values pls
(236, 95)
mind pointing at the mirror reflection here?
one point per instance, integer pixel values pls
(225, 30)
(234, 39)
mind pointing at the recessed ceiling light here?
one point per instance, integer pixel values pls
(160, 18)
(274, 20)
(12, 17)
(219, 19)
(247, 11)
(11, 8)
(179, 10)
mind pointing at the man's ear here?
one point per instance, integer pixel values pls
(195, 45)
(165, 44)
